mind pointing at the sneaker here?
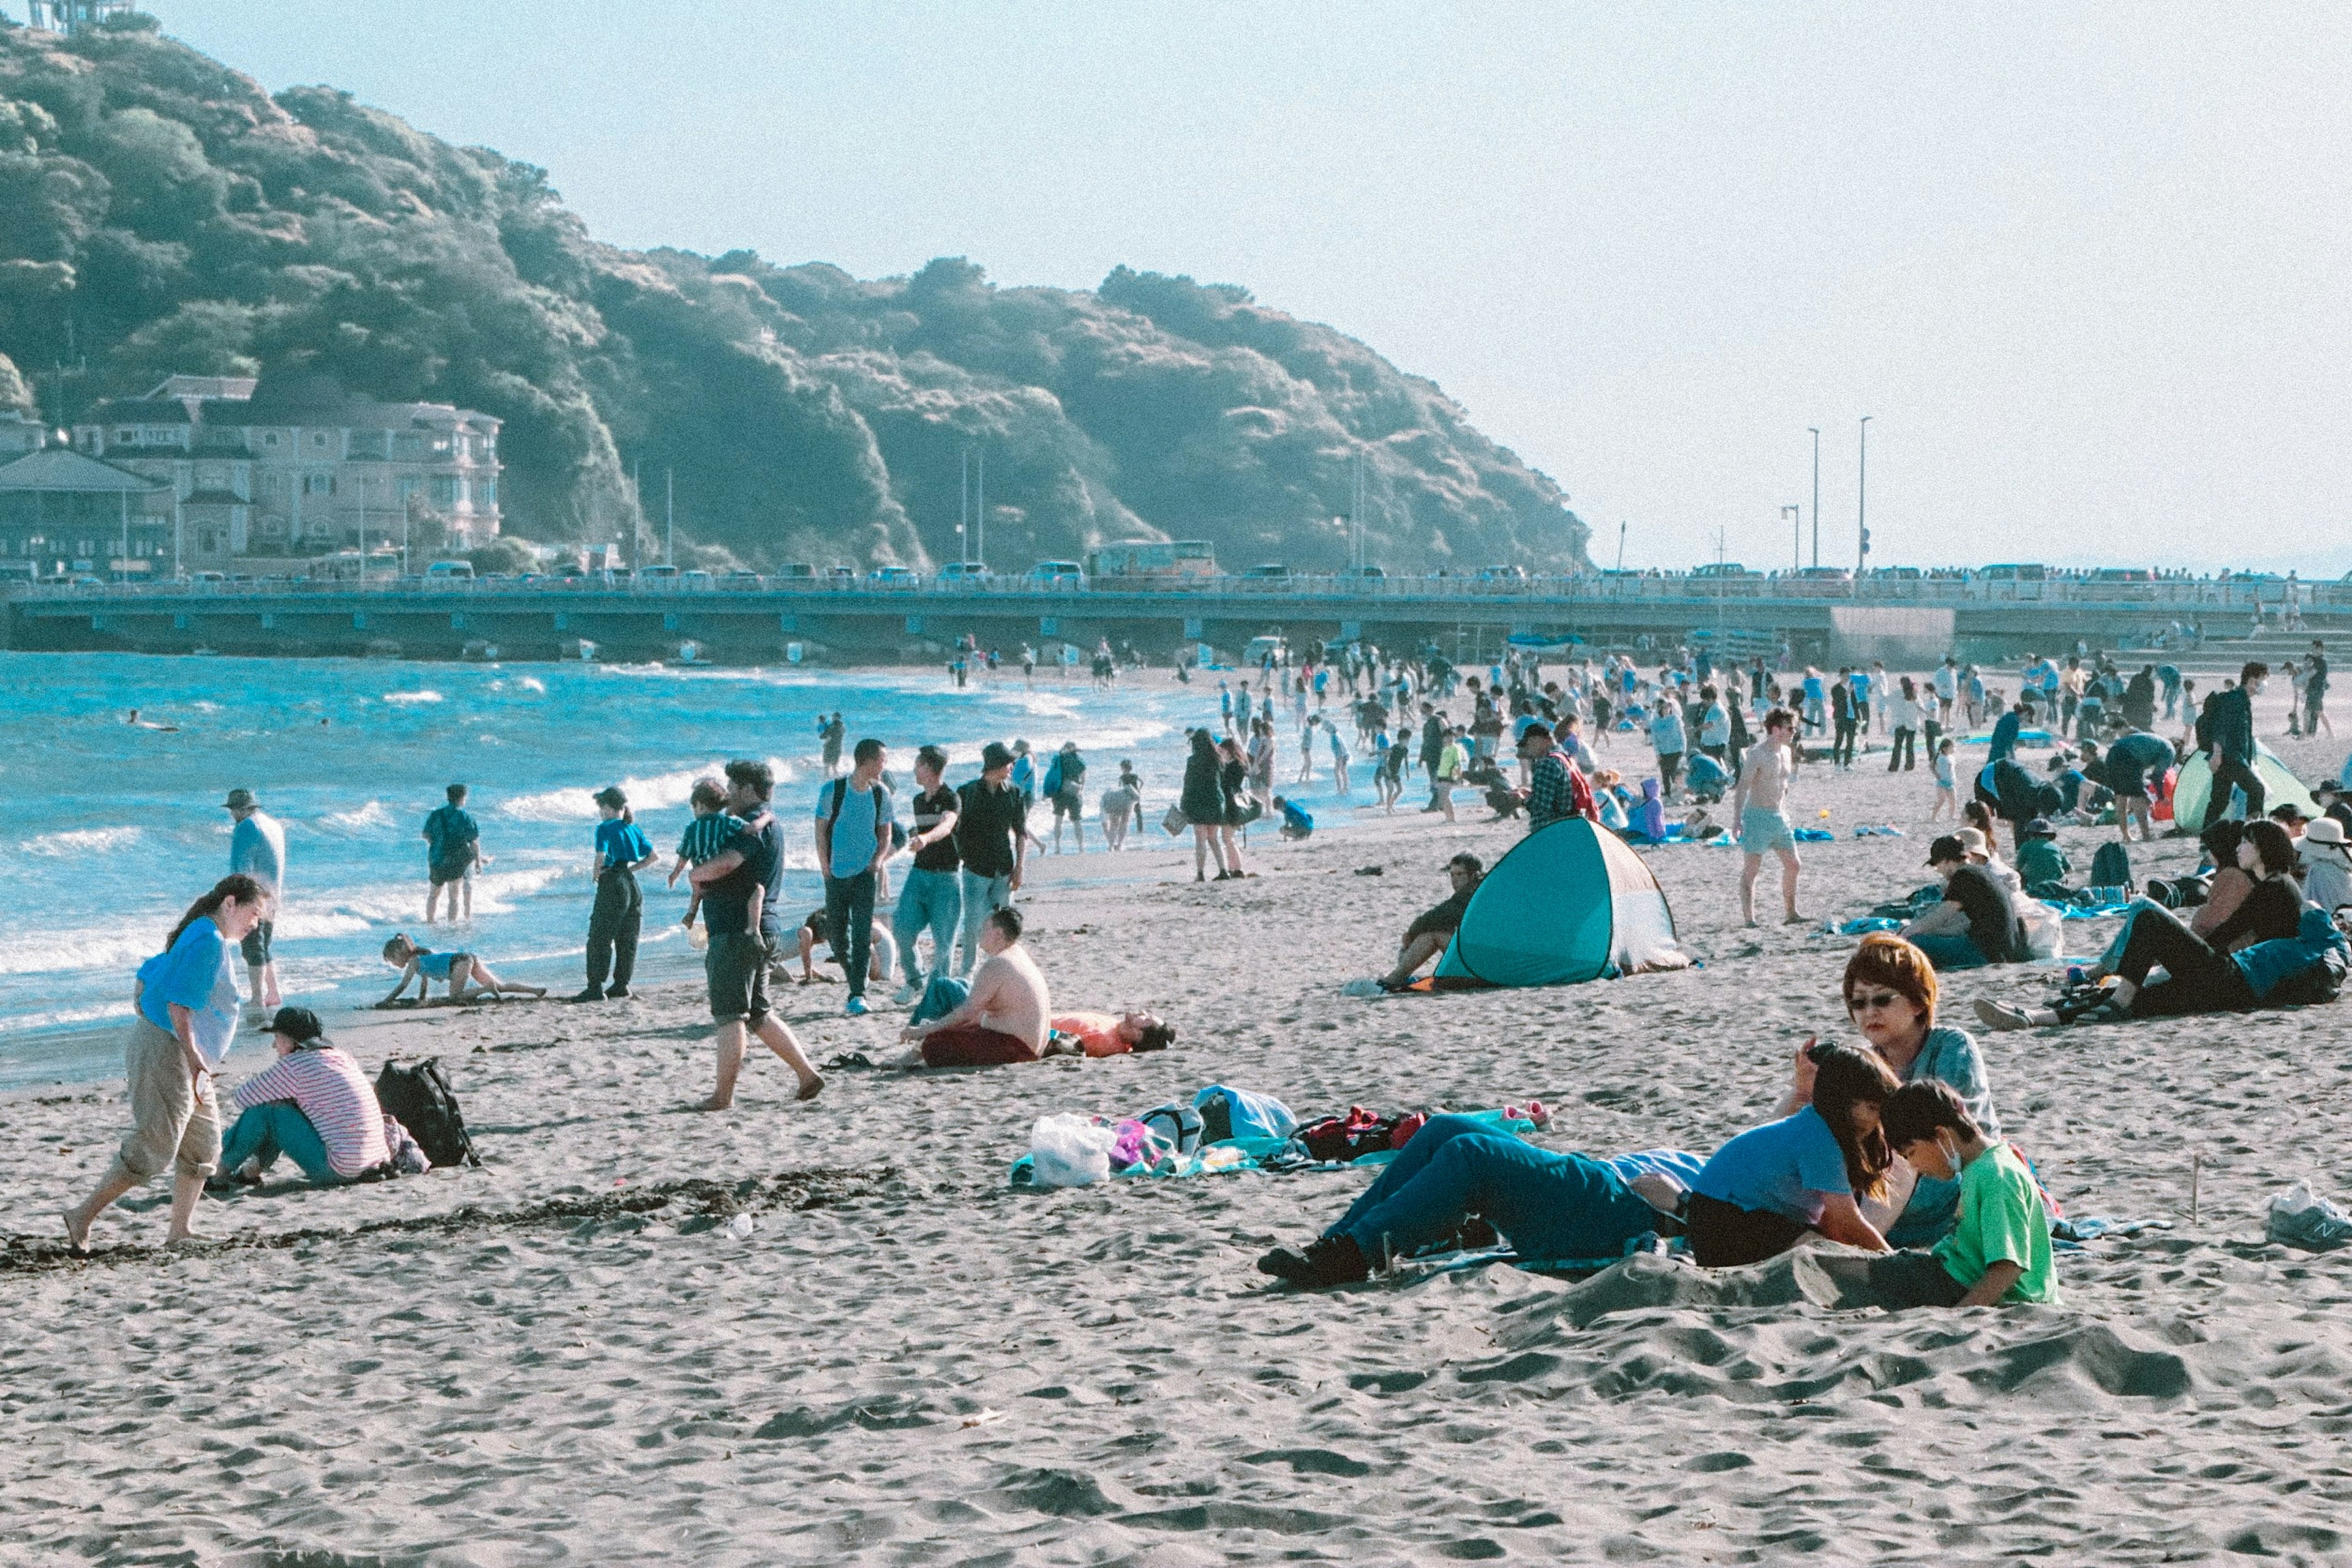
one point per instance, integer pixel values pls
(590, 994)
(618, 994)
(907, 995)
(2000, 1016)
(855, 1008)
(1327, 1261)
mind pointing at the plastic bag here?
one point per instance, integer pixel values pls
(2301, 1218)
(1067, 1150)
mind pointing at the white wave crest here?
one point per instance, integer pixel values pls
(660, 792)
(83, 841)
(411, 696)
(375, 814)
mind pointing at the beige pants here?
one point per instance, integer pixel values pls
(170, 1123)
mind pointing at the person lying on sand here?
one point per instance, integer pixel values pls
(1998, 1251)
(1002, 1015)
(313, 1105)
(1803, 1173)
(1111, 1034)
(1426, 937)
(467, 976)
(1548, 1206)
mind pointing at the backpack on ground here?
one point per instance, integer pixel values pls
(417, 1095)
(2111, 866)
(1176, 1123)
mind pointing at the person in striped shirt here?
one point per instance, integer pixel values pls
(712, 830)
(313, 1105)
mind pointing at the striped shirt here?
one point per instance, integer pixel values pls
(705, 836)
(329, 1088)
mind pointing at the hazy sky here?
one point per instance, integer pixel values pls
(2085, 265)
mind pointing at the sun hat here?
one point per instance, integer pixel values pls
(2324, 830)
(238, 799)
(1972, 839)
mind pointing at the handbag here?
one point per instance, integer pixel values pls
(1175, 821)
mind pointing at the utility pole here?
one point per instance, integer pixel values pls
(980, 513)
(1620, 547)
(1861, 506)
(1817, 492)
(669, 517)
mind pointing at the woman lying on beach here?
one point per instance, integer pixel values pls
(467, 976)
(1762, 1191)
(313, 1105)
(187, 1004)
(2293, 943)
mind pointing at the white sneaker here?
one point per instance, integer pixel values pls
(907, 995)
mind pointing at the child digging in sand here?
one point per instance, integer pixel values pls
(1999, 1251)
(467, 976)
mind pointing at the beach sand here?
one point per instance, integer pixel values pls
(570, 1354)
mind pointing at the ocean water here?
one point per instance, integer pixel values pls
(117, 827)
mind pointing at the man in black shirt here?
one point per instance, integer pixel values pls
(735, 964)
(929, 897)
(1977, 923)
(1432, 929)
(992, 840)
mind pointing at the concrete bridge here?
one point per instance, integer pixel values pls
(747, 620)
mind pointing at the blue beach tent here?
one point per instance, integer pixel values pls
(1568, 904)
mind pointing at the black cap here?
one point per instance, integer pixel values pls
(298, 1025)
(1947, 848)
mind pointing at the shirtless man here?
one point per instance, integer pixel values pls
(1004, 1017)
(1759, 805)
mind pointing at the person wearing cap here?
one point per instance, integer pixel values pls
(2040, 862)
(312, 1105)
(992, 840)
(1976, 923)
(1557, 787)
(2330, 796)
(1426, 937)
(621, 851)
(256, 848)
(2327, 864)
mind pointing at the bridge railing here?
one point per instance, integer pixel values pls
(2163, 598)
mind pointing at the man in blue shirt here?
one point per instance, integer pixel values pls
(453, 848)
(855, 816)
(256, 846)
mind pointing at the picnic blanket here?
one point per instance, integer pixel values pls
(1249, 1154)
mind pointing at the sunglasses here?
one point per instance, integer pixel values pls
(1875, 1001)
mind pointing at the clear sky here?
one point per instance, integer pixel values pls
(2085, 265)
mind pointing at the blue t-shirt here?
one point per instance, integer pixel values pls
(1783, 1167)
(865, 816)
(1294, 815)
(620, 843)
(1860, 685)
(1678, 1163)
(196, 973)
(1814, 689)
(434, 965)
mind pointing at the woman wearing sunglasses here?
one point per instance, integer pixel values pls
(1890, 994)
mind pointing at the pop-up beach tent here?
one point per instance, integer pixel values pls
(1568, 904)
(2193, 790)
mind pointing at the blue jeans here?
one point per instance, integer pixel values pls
(849, 911)
(278, 1128)
(927, 901)
(1951, 950)
(983, 896)
(1548, 1205)
(942, 996)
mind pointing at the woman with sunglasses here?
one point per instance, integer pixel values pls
(1890, 994)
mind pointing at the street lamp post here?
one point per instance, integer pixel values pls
(1796, 515)
(1817, 492)
(1861, 505)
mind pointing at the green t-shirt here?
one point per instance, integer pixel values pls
(2039, 860)
(2001, 1220)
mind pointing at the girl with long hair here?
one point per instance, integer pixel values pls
(187, 1003)
(1807, 1172)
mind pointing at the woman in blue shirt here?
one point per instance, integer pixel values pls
(1807, 1172)
(621, 851)
(187, 1001)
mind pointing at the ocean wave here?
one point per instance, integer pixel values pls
(660, 792)
(411, 696)
(375, 814)
(83, 841)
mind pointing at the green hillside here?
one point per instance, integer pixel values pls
(160, 213)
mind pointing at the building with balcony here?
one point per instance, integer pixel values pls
(62, 514)
(272, 474)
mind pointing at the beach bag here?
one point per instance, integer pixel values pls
(1237, 1113)
(1176, 1125)
(1069, 1150)
(1359, 1132)
(1175, 822)
(2111, 866)
(417, 1095)
(2301, 1218)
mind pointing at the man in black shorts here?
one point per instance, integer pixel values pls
(735, 964)
(1431, 930)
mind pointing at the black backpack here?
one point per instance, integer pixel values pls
(2111, 866)
(417, 1095)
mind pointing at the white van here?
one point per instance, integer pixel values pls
(446, 570)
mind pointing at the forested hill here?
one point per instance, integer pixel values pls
(160, 213)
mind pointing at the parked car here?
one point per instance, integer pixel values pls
(894, 577)
(694, 579)
(1715, 569)
(658, 574)
(1502, 574)
(1273, 571)
(1058, 575)
(796, 569)
(837, 575)
(445, 570)
(1364, 571)
(965, 572)
(742, 578)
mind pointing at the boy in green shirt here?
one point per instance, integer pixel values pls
(1999, 1251)
(2040, 863)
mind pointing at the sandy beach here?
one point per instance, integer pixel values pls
(575, 1354)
